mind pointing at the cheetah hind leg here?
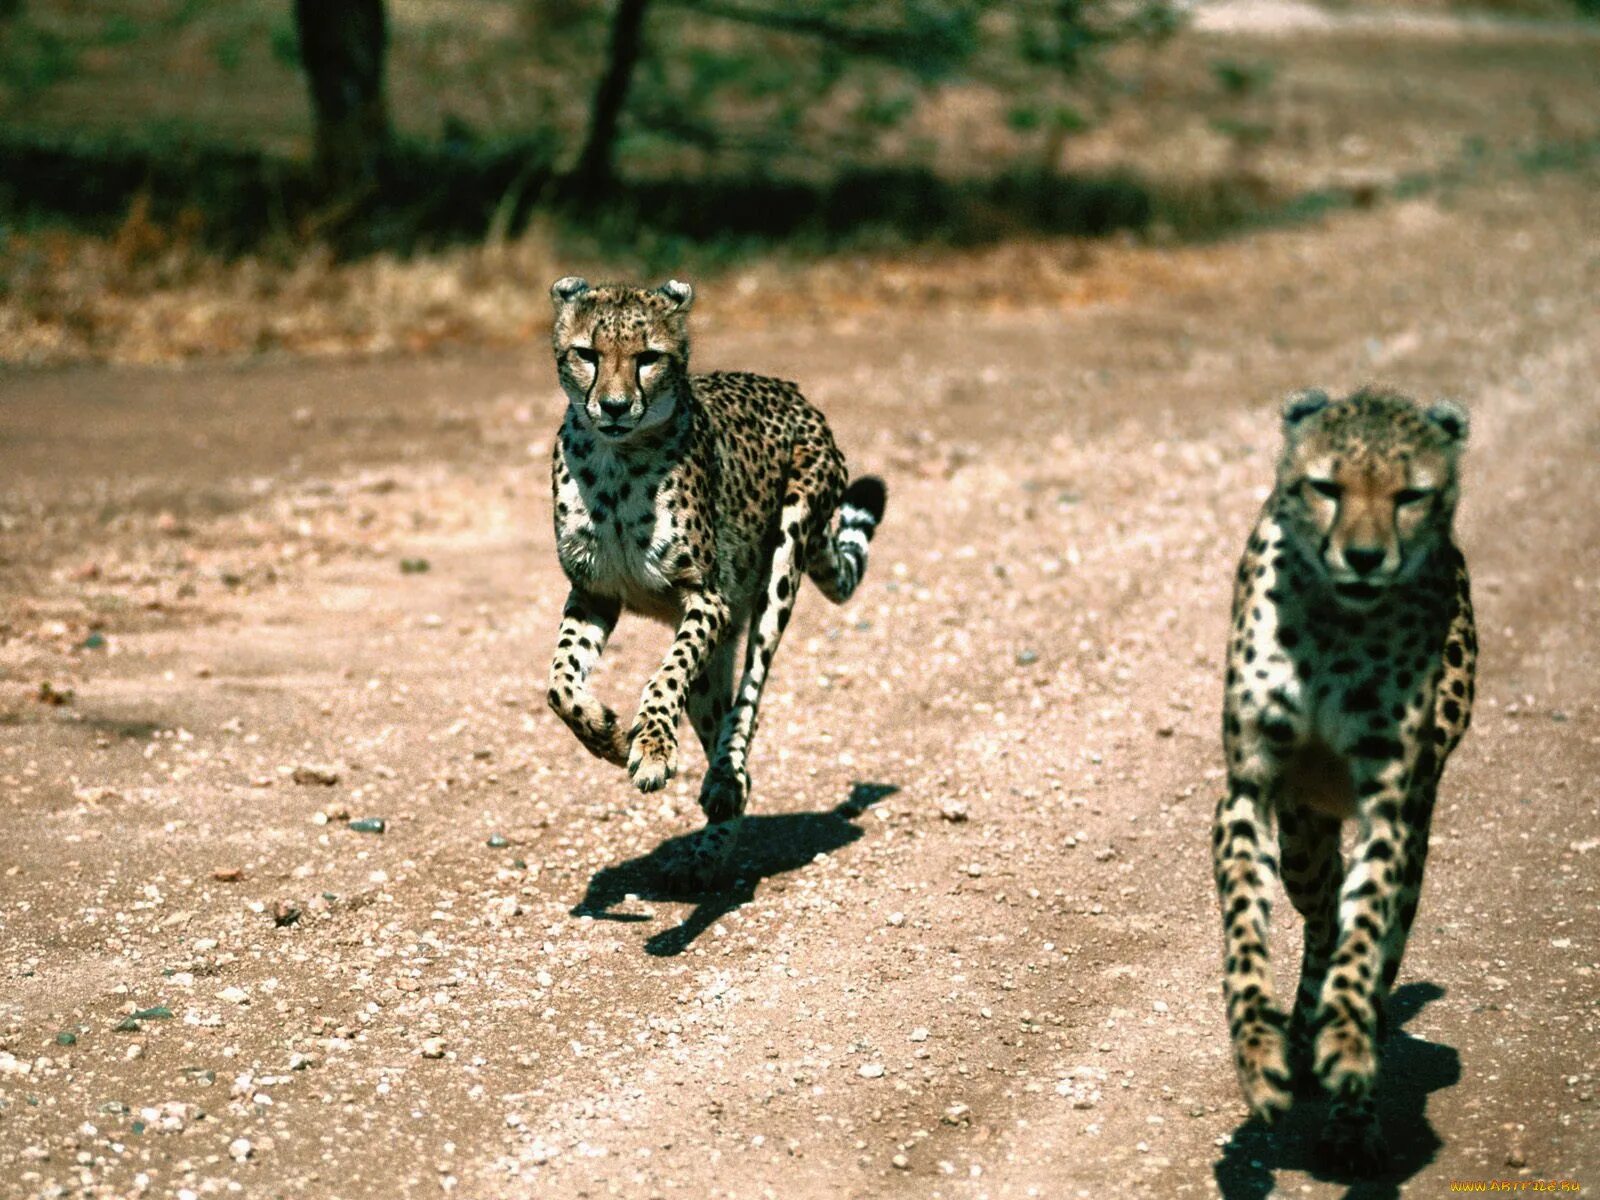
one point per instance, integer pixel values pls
(698, 859)
(1312, 870)
(726, 788)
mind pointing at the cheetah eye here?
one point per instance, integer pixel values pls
(1325, 487)
(587, 354)
(1407, 496)
(648, 358)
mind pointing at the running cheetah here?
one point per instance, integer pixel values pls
(1349, 682)
(697, 500)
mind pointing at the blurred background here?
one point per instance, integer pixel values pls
(180, 178)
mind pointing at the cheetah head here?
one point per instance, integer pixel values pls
(1367, 485)
(622, 353)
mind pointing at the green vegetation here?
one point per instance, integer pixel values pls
(1242, 78)
(750, 123)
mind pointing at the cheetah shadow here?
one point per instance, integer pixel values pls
(1412, 1068)
(769, 845)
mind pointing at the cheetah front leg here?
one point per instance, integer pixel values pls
(726, 789)
(1244, 869)
(1345, 1048)
(653, 740)
(586, 624)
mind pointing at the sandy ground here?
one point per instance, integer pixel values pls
(974, 952)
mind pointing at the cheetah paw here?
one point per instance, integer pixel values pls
(723, 793)
(1352, 1146)
(1346, 1059)
(1261, 1055)
(652, 756)
(700, 860)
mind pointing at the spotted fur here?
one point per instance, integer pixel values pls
(1349, 683)
(698, 500)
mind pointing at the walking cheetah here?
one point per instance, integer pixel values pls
(697, 500)
(1349, 682)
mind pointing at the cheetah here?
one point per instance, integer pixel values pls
(697, 500)
(1349, 682)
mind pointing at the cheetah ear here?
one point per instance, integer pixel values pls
(1302, 404)
(567, 289)
(1449, 417)
(680, 293)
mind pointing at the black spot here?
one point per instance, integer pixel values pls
(1362, 699)
(1373, 746)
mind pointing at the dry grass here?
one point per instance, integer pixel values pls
(154, 299)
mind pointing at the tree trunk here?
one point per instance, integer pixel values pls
(594, 169)
(342, 46)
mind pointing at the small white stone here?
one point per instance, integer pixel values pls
(240, 1149)
(919, 1034)
(234, 995)
(433, 1048)
(871, 1071)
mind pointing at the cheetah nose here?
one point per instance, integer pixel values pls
(1363, 561)
(615, 406)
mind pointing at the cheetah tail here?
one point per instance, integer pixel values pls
(841, 555)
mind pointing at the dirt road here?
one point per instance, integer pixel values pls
(975, 948)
